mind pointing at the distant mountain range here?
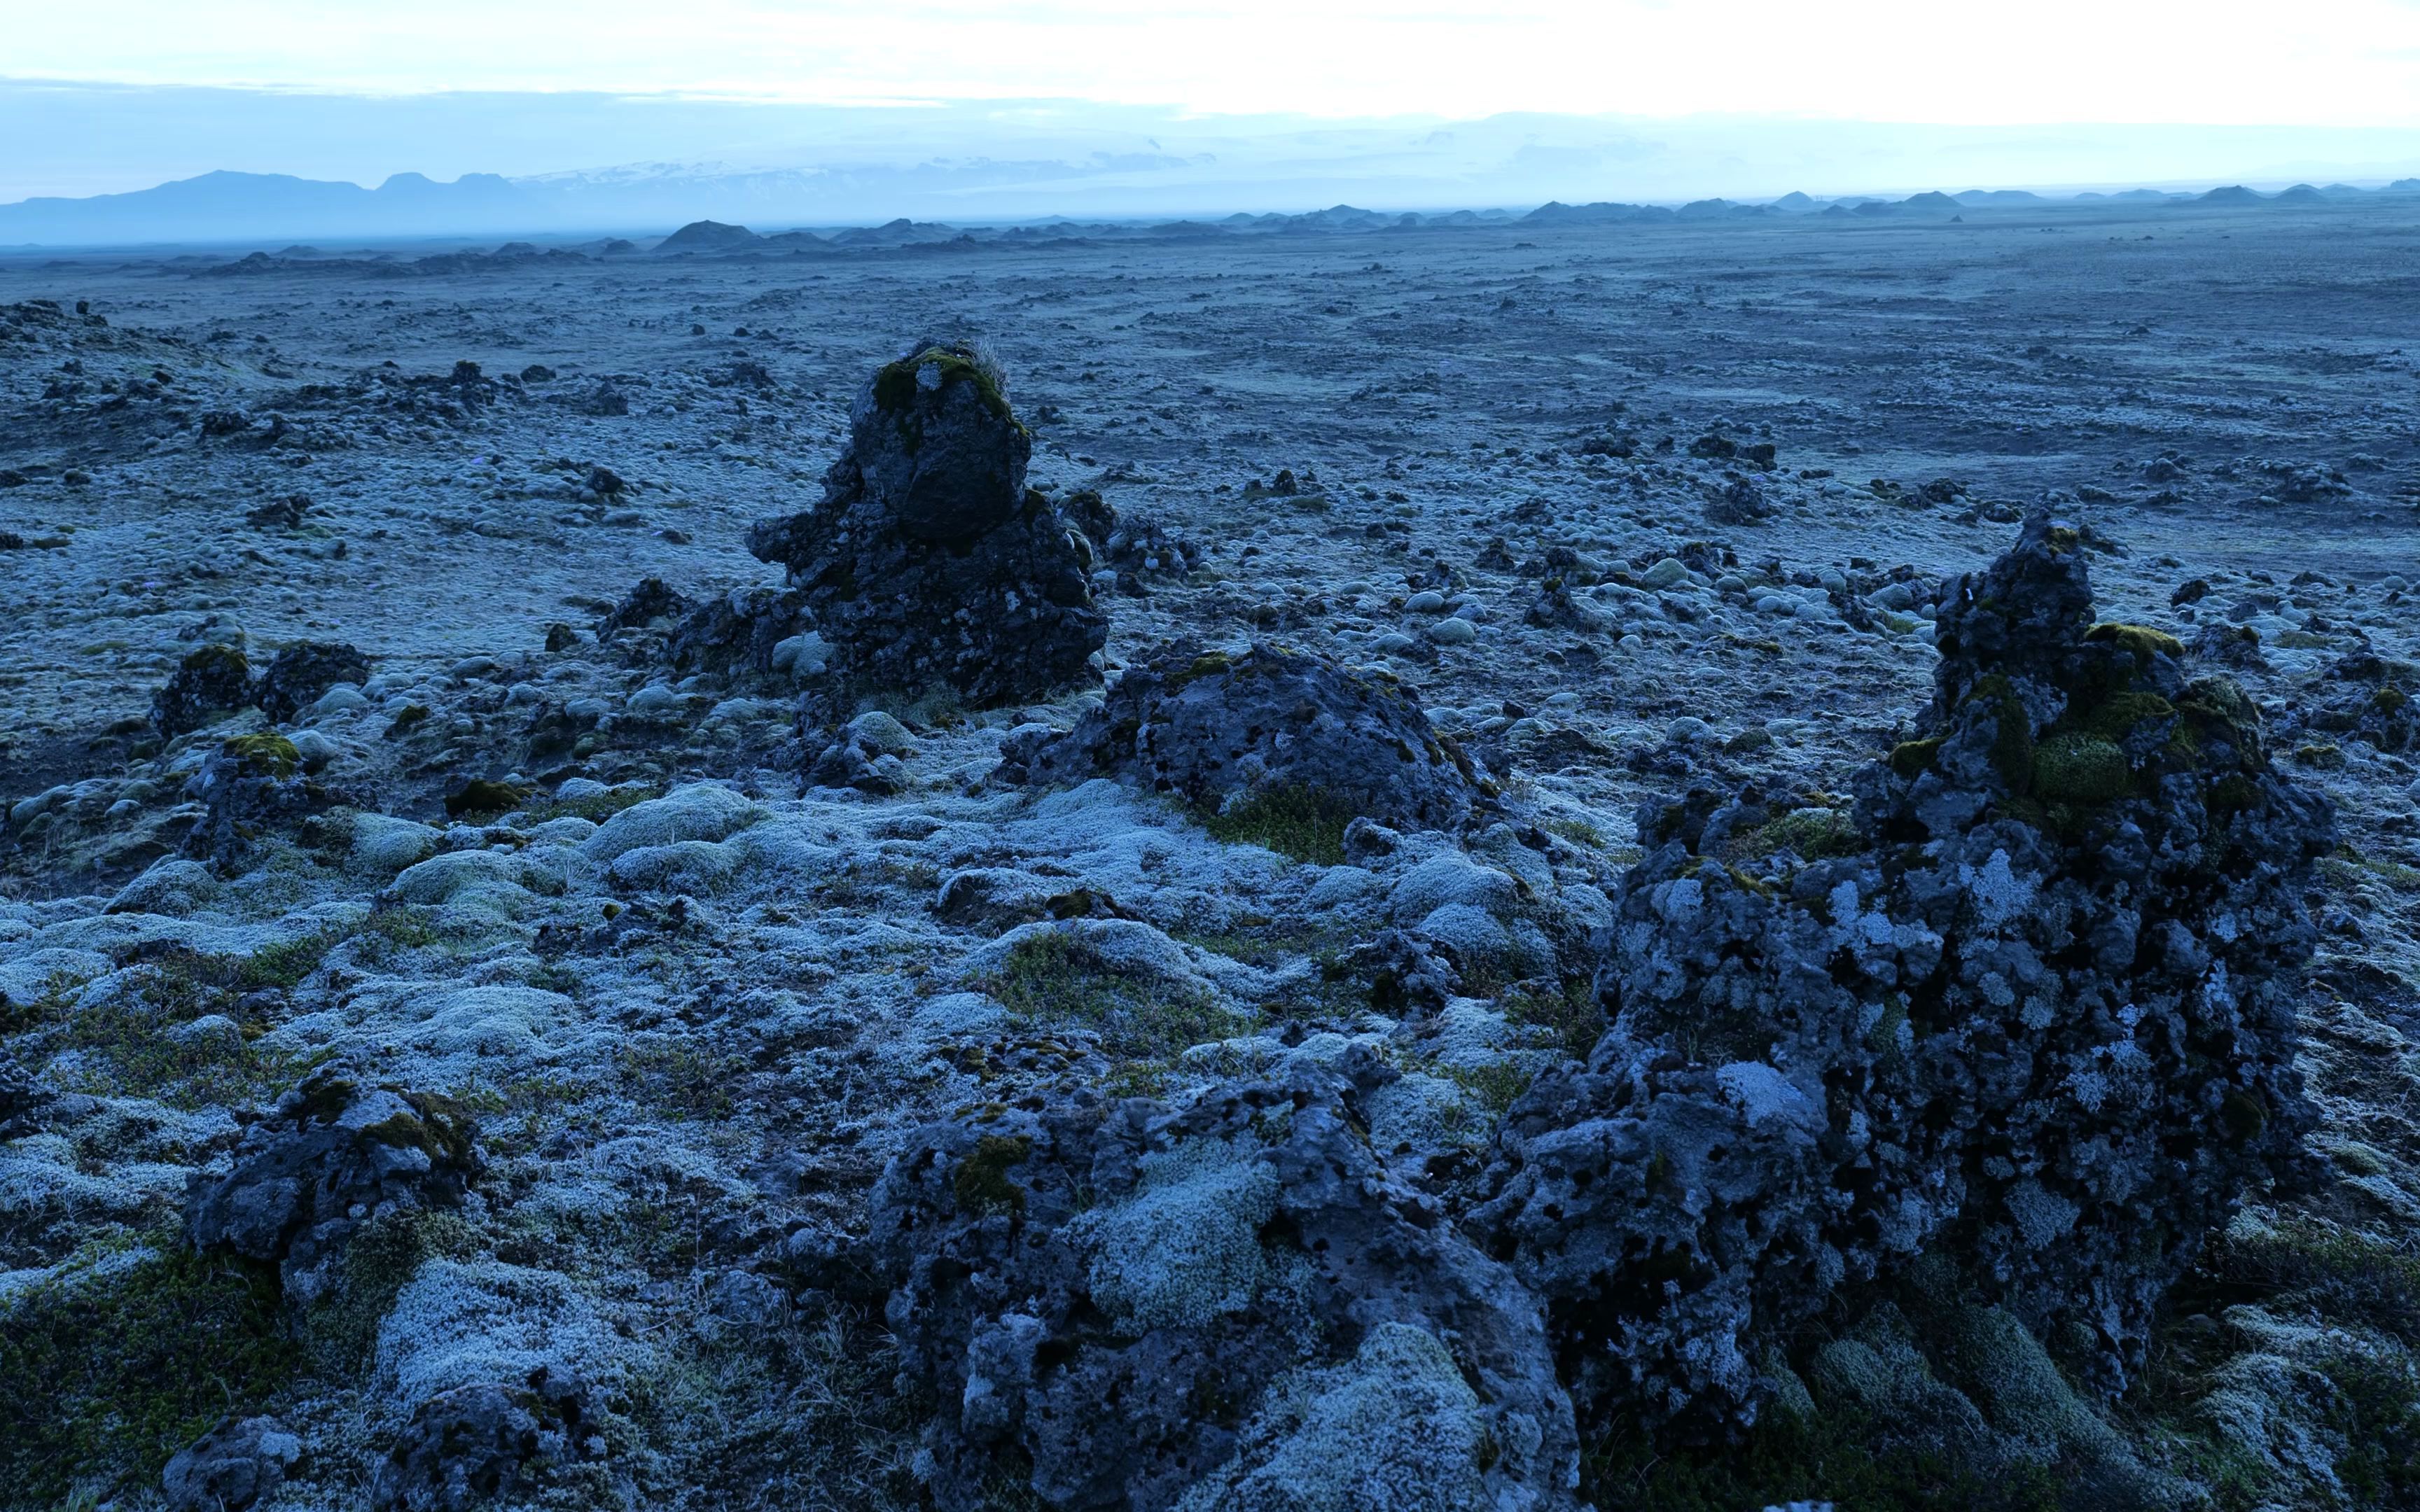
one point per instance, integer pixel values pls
(224, 206)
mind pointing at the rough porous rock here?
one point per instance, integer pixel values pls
(2031, 1012)
(252, 784)
(649, 600)
(472, 1443)
(239, 1463)
(212, 681)
(1217, 732)
(929, 567)
(738, 632)
(23, 1099)
(300, 673)
(332, 1156)
(1279, 1319)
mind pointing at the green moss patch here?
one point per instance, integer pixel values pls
(1912, 758)
(137, 1043)
(2079, 768)
(118, 1360)
(1304, 823)
(269, 755)
(1811, 834)
(2144, 641)
(484, 796)
(981, 1183)
(1054, 981)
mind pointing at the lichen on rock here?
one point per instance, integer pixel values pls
(1289, 747)
(1244, 1276)
(333, 1155)
(2037, 1022)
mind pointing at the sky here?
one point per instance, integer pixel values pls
(97, 101)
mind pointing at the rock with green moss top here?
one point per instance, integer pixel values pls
(334, 1154)
(2083, 867)
(930, 567)
(212, 681)
(267, 754)
(1277, 1312)
(251, 789)
(1276, 746)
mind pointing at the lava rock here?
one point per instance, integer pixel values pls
(212, 681)
(739, 632)
(1281, 1320)
(2031, 1016)
(653, 599)
(23, 1099)
(1219, 732)
(300, 673)
(928, 565)
(252, 784)
(471, 1444)
(239, 1463)
(333, 1155)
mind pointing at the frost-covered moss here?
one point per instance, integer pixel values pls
(1396, 1428)
(1186, 1246)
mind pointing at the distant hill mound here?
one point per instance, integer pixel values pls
(707, 236)
(2299, 194)
(2231, 194)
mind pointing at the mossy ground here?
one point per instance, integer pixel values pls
(133, 1353)
(134, 1043)
(681, 1078)
(1306, 823)
(1054, 981)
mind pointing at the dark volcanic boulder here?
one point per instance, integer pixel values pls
(212, 680)
(1219, 732)
(300, 673)
(332, 1157)
(2029, 1014)
(466, 1447)
(239, 1463)
(1229, 1304)
(929, 567)
(652, 599)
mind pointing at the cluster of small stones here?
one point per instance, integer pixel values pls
(2027, 1012)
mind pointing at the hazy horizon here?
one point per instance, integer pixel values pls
(669, 159)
